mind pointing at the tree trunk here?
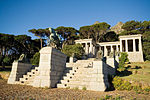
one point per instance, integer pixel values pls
(41, 42)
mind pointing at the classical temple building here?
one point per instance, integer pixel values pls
(127, 43)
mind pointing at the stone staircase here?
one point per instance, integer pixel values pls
(28, 78)
(77, 75)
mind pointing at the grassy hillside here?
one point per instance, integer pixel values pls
(140, 72)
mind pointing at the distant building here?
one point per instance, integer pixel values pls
(127, 43)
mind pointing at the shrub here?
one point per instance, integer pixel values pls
(35, 59)
(108, 97)
(76, 88)
(7, 60)
(147, 89)
(147, 57)
(76, 49)
(137, 88)
(84, 88)
(121, 84)
(122, 59)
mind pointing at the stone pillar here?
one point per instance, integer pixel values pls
(101, 83)
(93, 50)
(134, 48)
(91, 47)
(140, 45)
(111, 49)
(117, 48)
(51, 67)
(105, 51)
(126, 45)
(86, 48)
(120, 45)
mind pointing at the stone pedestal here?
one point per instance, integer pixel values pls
(51, 67)
(102, 82)
(100, 72)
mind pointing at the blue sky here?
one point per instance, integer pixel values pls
(18, 16)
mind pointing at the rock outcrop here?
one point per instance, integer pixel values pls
(117, 28)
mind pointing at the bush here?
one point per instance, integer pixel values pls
(121, 84)
(122, 59)
(147, 57)
(76, 49)
(84, 88)
(147, 89)
(35, 59)
(7, 60)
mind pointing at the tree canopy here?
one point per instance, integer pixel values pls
(41, 33)
(95, 31)
(136, 27)
(11, 47)
(68, 35)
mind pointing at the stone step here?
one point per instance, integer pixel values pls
(61, 86)
(80, 65)
(34, 70)
(68, 77)
(31, 73)
(29, 77)
(37, 68)
(70, 74)
(25, 76)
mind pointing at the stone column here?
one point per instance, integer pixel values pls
(120, 45)
(93, 50)
(91, 46)
(126, 45)
(105, 51)
(86, 48)
(117, 48)
(140, 45)
(134, 48)
(111, 49)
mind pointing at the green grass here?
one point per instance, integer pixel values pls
(141, 74)
(136, 77)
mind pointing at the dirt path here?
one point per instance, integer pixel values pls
(19, 92)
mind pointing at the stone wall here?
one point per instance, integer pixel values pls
(51, 67)
(18, 70)
(135, 56)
